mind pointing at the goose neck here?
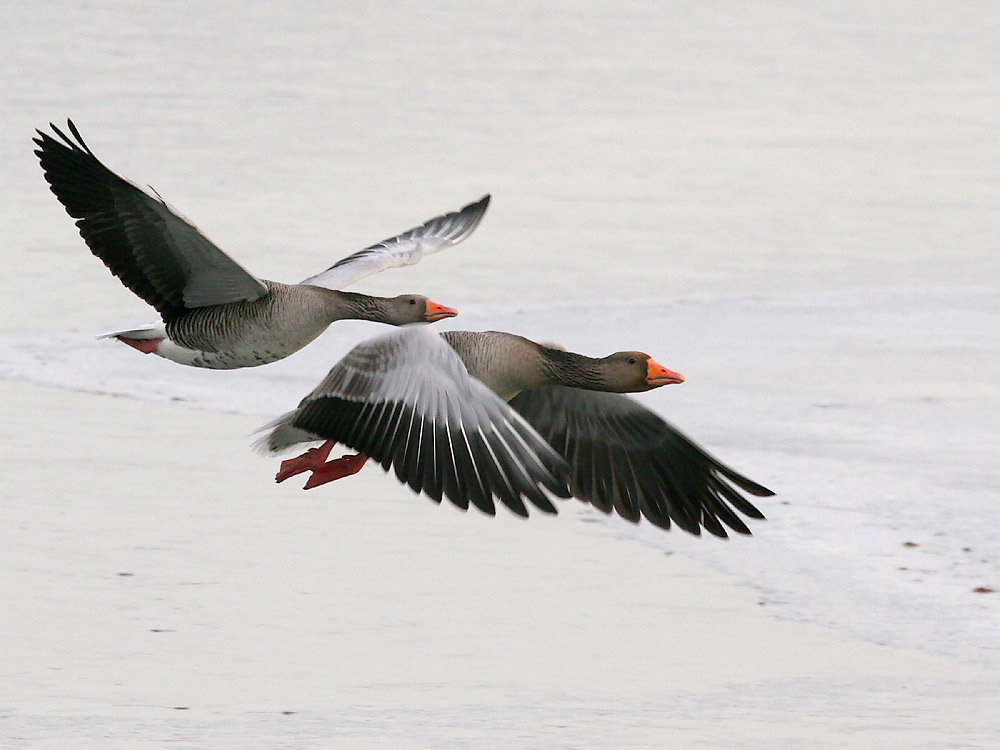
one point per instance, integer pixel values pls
(573, 370)
(355, 306)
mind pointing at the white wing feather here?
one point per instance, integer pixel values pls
(404, 249)
(475, 434)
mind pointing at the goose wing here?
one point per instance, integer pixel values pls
(404, 249)
(627, 459)
(407, 400)
(157, 254)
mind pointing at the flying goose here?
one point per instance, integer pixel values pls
(476, 415)
(214, 312)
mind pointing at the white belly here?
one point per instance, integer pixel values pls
(261, 351)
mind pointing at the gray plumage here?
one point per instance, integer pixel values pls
(216, 313)
(406, 400)
(612, 452)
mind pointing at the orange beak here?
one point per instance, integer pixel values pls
(437, 312)
(657, 374)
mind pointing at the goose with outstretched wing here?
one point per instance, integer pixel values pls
(453, 414)
(407, 400)
(214, 312)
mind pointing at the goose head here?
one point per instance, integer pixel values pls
(632, 372)
(415, 308)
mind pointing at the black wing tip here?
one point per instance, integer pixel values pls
(549, 509)
(76, 134)
(518, 510)
(61, 134)
(561, 478)
(750, 486)
(540, 502)
(484, 506)
(46, 141)
(476, 210)
(743, 531)
(718, 522)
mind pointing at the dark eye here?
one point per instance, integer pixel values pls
(413, 302)
(632, 360)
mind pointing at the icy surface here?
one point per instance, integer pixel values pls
(873, 414)
(795, 205)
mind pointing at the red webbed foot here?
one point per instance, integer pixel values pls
(338, 468)
(312, 459)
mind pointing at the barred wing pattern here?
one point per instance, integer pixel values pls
(627, 459)
(404, 249)
(406, 400)
(156, 253)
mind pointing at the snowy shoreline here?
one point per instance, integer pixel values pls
(870, 461)
(161, 588)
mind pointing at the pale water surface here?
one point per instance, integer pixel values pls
(795, 205)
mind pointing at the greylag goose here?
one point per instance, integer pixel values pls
(477, 415)
(214, 312)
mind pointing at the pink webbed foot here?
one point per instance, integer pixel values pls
(146, 346)
(338, 468)
(312, 459)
